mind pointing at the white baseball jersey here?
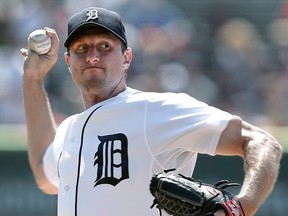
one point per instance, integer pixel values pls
(102, 159)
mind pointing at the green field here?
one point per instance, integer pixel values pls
(13, 137)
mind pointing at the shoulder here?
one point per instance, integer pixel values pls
(68, 120)
(165, 98)
(64, 125)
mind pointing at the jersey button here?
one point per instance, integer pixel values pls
(66, 188)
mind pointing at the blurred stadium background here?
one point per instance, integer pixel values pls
(232, 54)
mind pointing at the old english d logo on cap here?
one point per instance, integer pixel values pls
(92, 14)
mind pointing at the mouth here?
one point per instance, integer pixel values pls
(93, 68)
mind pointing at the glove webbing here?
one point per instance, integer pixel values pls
(173, 204)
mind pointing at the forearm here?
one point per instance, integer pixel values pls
(40, 124)
(261, 158)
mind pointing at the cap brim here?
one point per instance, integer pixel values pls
(86, 26)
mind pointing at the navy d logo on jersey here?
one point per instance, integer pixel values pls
(111, 159)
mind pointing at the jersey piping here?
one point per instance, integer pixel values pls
(79, 159)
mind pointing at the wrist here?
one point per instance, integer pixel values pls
(233, 207)
(33, 81)
(248, 205)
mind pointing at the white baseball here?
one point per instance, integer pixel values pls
(39, 42)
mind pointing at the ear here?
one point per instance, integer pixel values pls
(127, 58)
(67, 59)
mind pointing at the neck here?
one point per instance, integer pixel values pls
(92, 99)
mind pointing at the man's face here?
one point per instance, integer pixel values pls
(97, 62)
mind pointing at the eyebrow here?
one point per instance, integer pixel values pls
(101, 36)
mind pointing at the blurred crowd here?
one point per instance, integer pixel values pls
(220, 55)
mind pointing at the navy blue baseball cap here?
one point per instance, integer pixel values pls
(94, 17)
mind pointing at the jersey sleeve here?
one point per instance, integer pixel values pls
(53, 153)
(50, 165)
(180, 123)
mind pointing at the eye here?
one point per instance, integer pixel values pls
(82, 48)
(104, 46)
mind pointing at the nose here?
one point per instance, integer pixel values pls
(92, 55)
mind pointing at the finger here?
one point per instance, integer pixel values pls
(49, 30)
(54, 38)
(27, 52)
(24, 52)
(52, 34)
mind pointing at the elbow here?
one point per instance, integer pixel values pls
(41, 180)
(273, 146)
(264, 151)
(43, 183)
(274, 153)
(46, 187)
(277, 150)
